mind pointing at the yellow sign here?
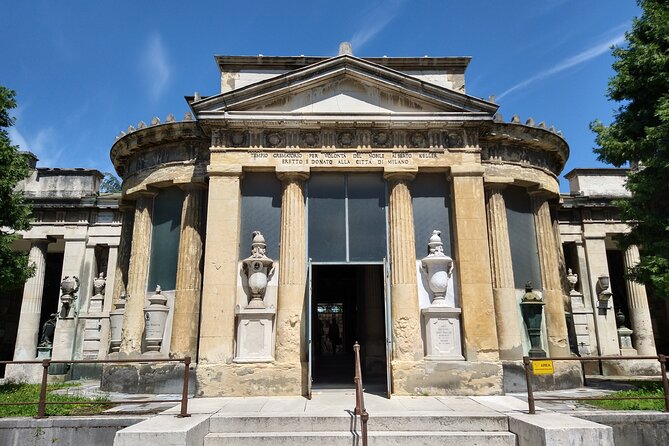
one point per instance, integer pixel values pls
(543, 367)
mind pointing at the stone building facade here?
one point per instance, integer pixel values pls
(315, 202)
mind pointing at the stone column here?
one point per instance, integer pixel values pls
(503, 286)
(547, 245)
(472, 263)
(605, 320)
(31, 305)
(138, 270)
(186, 318)
(123, 260)
(292, 270)
(637, 302)
(221, 266)
(407, 345)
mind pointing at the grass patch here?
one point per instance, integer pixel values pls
(653, 389)
(15, 392)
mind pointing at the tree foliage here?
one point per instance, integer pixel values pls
(110, 184)
(639, 134)
(14, 211)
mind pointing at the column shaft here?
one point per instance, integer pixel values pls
(185, 322)
(123, 260)
(547, 245)
(407, 345)
(637, 301)
(133, 319)
(292, 270)
(221, 268)
(504, 292)
(472, 260)
(31, 305)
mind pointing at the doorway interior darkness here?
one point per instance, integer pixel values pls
(348, 306)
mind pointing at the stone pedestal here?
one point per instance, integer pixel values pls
(625, 340)
(254, 335)
(442, 334)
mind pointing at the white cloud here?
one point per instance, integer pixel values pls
(44, 144)
(154, 63)
(570, 62)
(375, 22)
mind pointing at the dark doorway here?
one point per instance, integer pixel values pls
(348, 306)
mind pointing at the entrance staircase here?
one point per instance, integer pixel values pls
(417, 428)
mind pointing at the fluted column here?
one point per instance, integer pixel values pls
(123, 256)
(547, 245)
(186, 318)
(503, 286)
(292, 270)
(133, 319)
(637, 302)
(407, 345)
(31, 305)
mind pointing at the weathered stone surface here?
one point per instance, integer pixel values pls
(447, 378)
(551, 429)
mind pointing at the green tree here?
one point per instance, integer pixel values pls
(639, 135)
(110, 184)
(14, 211)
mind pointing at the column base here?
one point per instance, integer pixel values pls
(258, 379)
(145, 378)
(24, 373)
(446, 378)
(567, 375)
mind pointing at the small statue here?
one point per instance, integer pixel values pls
(48, 330)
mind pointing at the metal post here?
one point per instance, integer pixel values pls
(184, 396)
(41, 407)
(528, 380)
(665, 382)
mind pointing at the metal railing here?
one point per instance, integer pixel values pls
(359, 395)
(42, 403)
(527, 362)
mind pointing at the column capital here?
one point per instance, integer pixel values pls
(467, 170)
(228, 170)
(292, 175)
(400, 174)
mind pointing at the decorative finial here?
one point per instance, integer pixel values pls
(515, 119)
(170, 118)
(345, 48)
(155, 120)
(530, 122)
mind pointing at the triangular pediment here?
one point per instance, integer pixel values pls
(340, 86)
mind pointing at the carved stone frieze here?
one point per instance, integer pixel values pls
(346, 139)
(521, 155)
(274, 139)
(165, 155)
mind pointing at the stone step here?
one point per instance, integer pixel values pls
(395, 438)
(423, 421)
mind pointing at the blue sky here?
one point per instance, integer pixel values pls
(83, 71)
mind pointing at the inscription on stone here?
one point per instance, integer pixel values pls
(445, 339)
(341, 158)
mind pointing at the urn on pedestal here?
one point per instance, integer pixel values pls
(258, 269)
(155, 316)
(68, 288)
(438, 267)
(99, 285)
(116, 323)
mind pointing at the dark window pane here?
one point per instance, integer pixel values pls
(327, 219)
(522, 237)
(165, 238)
(261, 211)
(431, 198)
(366, 217)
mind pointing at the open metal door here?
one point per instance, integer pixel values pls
(310, 348)
(389, 325)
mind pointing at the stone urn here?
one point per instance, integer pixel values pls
(258, 269)
(116, 324)
(99, 284)
(438, 267)
(155, 316)
(68, 288)
(531, 307)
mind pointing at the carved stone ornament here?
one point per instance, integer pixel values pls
(345, 139)
(274, 139)
(99, 284)
(438, 267)
(572, 280)
(237, 139)
(418, 139)
(309, 139)
(382, 138)
(155, 316)
(258, 269)
(454, 139)
(68, 287)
